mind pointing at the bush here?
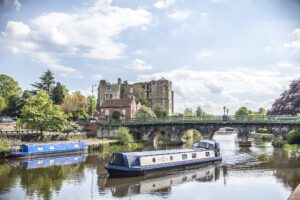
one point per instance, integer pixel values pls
(293, 137)
(4, 149)
(123, 135)
(197, 136)
(262, 130)
(145, 112)
(116, 115)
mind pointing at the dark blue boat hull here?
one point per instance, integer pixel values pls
(118, 171)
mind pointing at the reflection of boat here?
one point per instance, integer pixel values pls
(135, 185)
(49, 161)
(29, 150)
(141, 163)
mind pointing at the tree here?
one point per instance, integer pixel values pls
(116, 115)
(188, 112)
(293, 137)
(199, 112)
(47, 82)
(123, 135)
(75, 106)
(159, 111)
(91, 104)
(145, 112)
(14, 105)
(8, 88)
(58, 93)
(243, 111)
(262, 111)
(41, 114)
(289, 101)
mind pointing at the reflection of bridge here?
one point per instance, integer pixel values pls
(173, 128)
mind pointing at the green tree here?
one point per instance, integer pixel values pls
(2, 104)
(188, 112)
(91, 104)
(159, 111)
(75, 106)
(116, 115)
(243, 111)
(14, 105)
(41, 114)
(47, 82)
(293, 137)
(262, 111)
(199, 112)
(58, 93)
(123, 135)
(145, 112)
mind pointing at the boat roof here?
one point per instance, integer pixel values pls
(160, 152)
(54, 143)
(208, 141)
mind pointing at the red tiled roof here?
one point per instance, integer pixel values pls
(116, 103)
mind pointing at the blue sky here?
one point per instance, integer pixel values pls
(216, 52)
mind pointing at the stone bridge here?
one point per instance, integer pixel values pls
(172, 129)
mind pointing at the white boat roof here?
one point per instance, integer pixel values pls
(208, 141)
(160, 152)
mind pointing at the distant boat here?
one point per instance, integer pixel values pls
(30, 150)
(142, 163)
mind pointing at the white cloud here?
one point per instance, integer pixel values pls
(233, 88)
(289, 66)
(267, 48)
(140, 52)
(91, 32)
(138, 64)
(204, 54)
(15, 3)
(296, 43)
(97, 77)
(179, 15)
(164, 3)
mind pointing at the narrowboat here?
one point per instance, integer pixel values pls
(142, 163)
(29, 150)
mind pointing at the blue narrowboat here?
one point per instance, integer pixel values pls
(28, 150)
(142, 163)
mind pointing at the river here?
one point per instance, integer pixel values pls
(259, 172)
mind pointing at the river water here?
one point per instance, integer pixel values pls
(259, 172)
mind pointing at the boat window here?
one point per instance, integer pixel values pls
(171, 157)
(207, 154)
(196, 145)
(51, 147)
(40, 148)
(184, 156)
(154, 160)
(117, 159)
(76, 145)
(203, 145)
(194, 155)
(133, 161)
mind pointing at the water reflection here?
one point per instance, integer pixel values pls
(268, 173)
(159, 184)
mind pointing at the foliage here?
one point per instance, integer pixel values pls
(123, 135)
(197, 135)
(40, 113)
(262, 130)
(188, 112)
(293, 137)
(160, 111)
(4, 148)
(47, 82)
(91, 104)
(289, 101)
(140, 95)
(199, 112)
(262, 111)
(58, 93)
(243, 111)
(145, 112)
(74, 106)
(8, 88)
(14, 105)
(116, 115)
(192, 134)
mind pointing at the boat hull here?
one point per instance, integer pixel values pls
(44, 154)
(117, 171)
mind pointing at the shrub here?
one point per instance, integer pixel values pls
(123, 135)
(4, 148)
(293, 137)
(197, 136)
(116, 115)
(262, 130)
(145, 112)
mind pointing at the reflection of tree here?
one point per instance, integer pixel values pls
(43, 181)
(8, 177)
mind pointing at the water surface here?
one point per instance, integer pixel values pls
(259, 172)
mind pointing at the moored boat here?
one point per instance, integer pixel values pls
(29, 150)
(141, 163)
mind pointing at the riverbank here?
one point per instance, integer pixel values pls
(296, 194)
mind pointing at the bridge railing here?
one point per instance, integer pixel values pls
(209, 119)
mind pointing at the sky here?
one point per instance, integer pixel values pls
(216, 52)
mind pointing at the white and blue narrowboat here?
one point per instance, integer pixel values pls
(29, 150)
(142, 163)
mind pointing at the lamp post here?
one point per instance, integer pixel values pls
(227, 111)
(224, 108)
(92, 100)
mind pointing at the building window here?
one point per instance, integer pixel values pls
(110, 96)
(171, 158)
(207, 154)
(124, 111)
(194, 155)
(106, 111)
(184, 156)
(153, 160)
